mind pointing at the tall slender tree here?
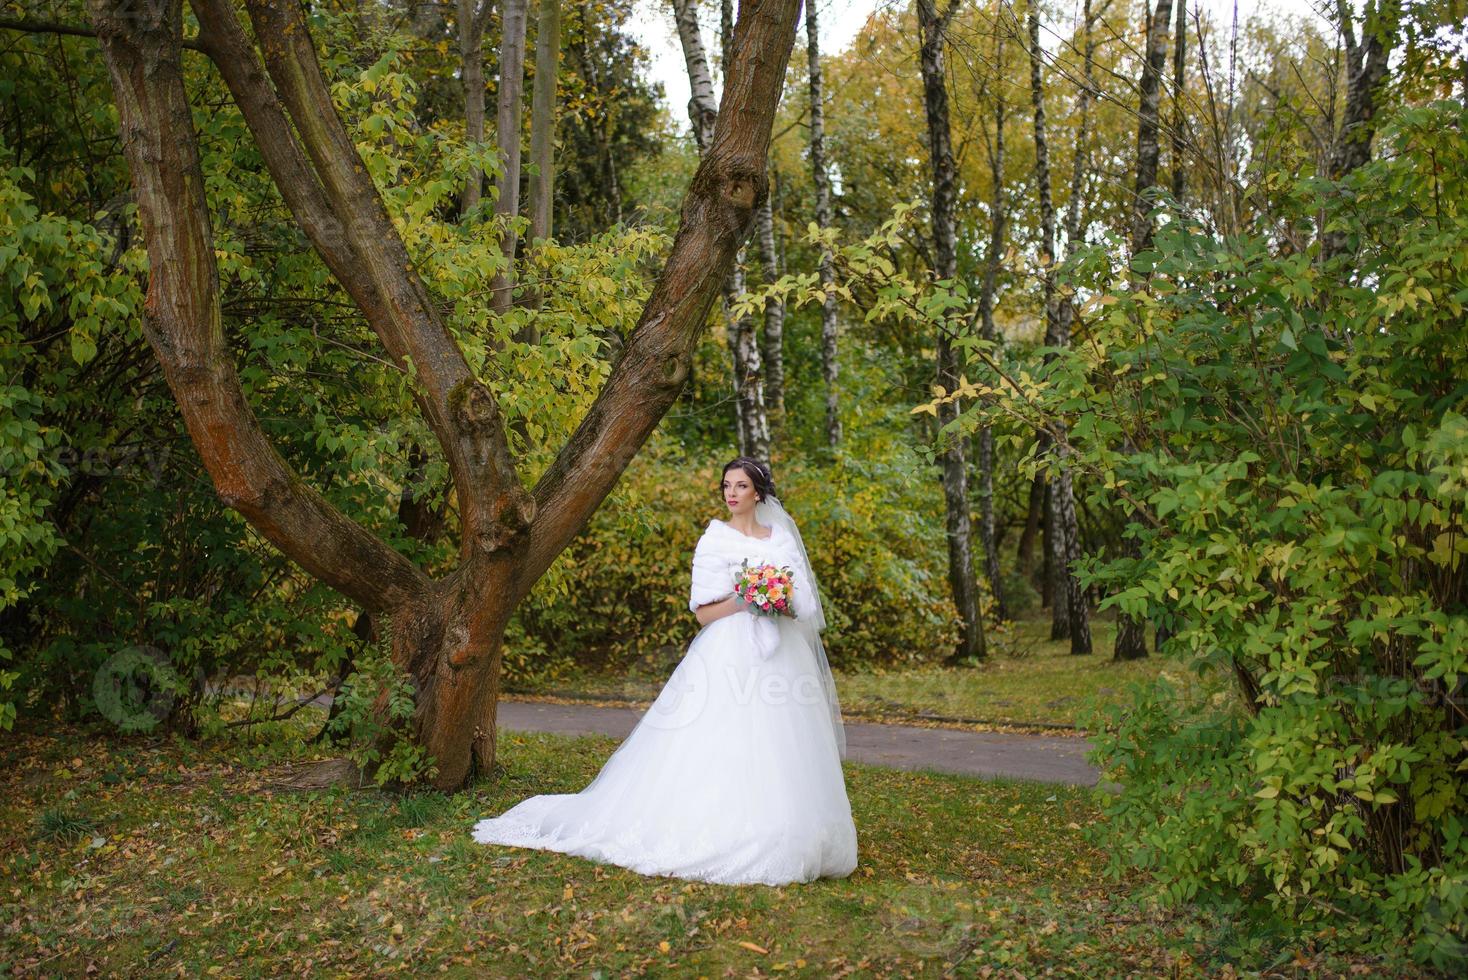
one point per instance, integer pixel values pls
(998, 218)
(821, 179)
(1149, 124)
(543, 118)
(772, 353)
(513, 15)
(1179, 108)
(933, 30)
(473, 18)
(1070, 616)
(1131, 631)
(751, 418)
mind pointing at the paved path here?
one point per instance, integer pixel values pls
(1046, 758)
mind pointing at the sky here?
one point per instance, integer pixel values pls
(840, 20)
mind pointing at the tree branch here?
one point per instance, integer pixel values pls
(460, 409)
(183, 323)
(655, 364)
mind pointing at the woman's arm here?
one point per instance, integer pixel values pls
(711, 611)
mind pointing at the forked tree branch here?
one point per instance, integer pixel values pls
(183, 323)
(717, 213)
(461, 410)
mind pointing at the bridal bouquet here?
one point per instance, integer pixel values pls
(768, 590)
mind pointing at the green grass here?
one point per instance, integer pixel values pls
(192, 864)
(1028, 679)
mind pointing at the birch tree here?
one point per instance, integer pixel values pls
(1069, 614)
(994, 258)
(821, 179)
(752, 421)
(933, 28)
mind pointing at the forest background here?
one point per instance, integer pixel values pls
(1115, 308)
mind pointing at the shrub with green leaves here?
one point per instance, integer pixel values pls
(1287, 430)
(619, 595)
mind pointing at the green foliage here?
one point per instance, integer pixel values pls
(376, 715)
(619, 594)
(1297, 494)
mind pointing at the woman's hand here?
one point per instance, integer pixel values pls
(712, 611)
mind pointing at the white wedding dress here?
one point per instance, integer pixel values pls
(734, 773)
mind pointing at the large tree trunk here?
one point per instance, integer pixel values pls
(513, 15)
(822, 181)
(998, 217)
(933, 27)
(772, 344)
(1070, 614)
(446, 633)
(472, 19)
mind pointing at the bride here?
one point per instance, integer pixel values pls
(734, 773)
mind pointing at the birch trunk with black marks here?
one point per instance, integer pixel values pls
(822, 181)
(933, 28)
(752, 426)
(1070, 616)
(1149, 124)
(998, 217)
(1131, 631)
(772, 343)
(446, 632)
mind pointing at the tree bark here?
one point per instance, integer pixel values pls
(933, 28)
(1179, 87)
(822, 181)
(543, 119)
(772, 344)
(751, 420)
(1366, 67)
(1149, 125)
(446, 633)
(993, 260)
(703, 107)
(472, 20)
(1070, 616)
(513, 16)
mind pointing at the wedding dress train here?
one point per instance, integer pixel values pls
(734, 773)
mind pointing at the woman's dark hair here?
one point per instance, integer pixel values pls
(759, 474)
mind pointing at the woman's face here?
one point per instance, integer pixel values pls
(739, 493)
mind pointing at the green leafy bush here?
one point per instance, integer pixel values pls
(1297, 490)
(618, 597)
